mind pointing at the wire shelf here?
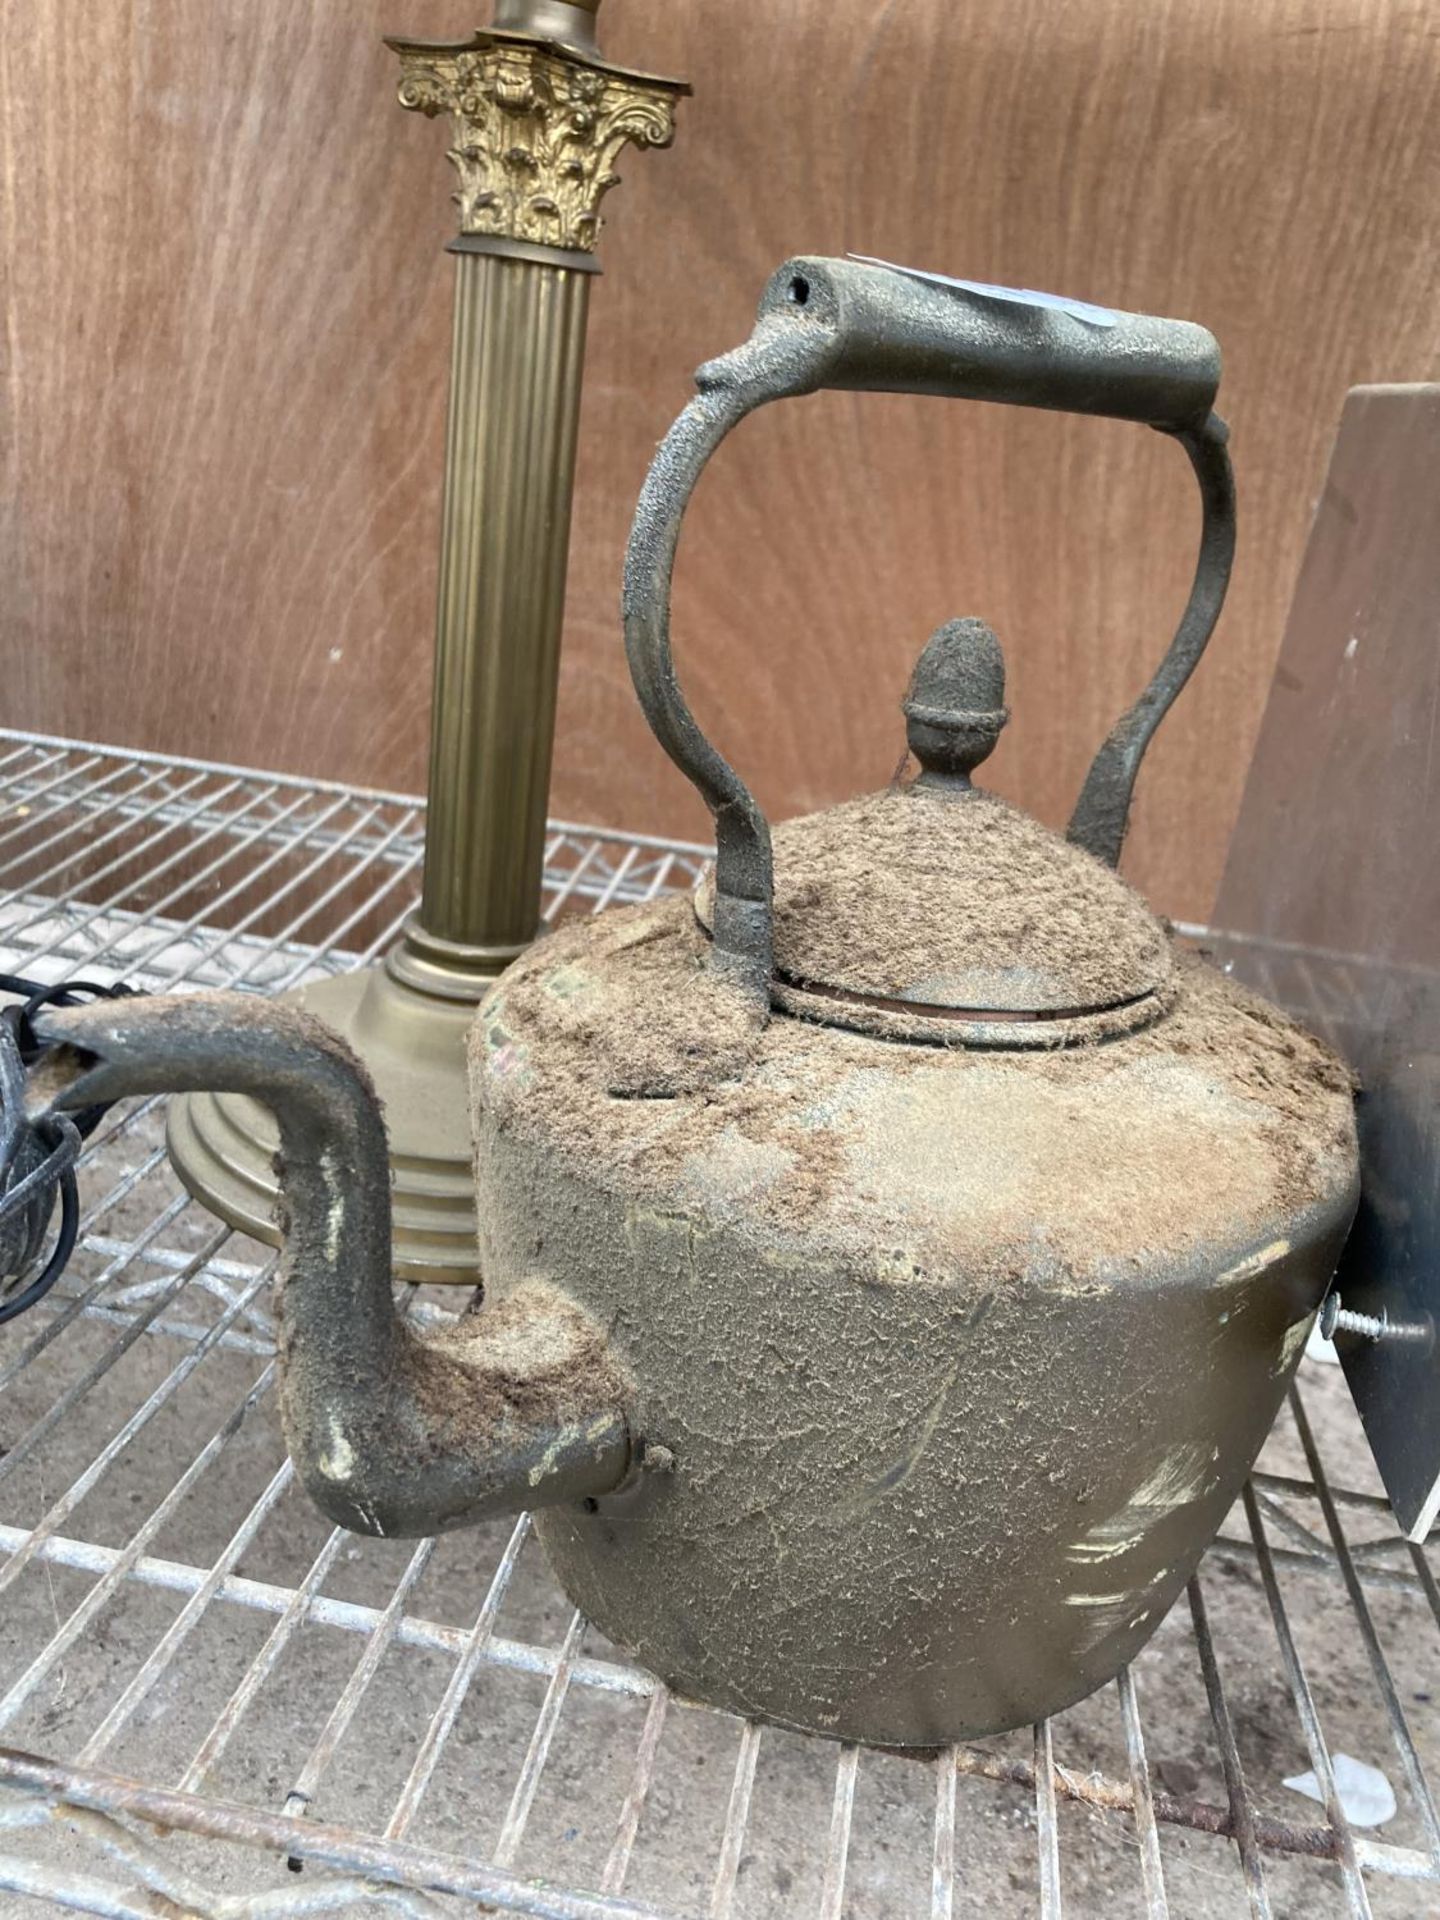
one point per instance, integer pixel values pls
(213, 1704)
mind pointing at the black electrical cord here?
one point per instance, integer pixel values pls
(37, 1158)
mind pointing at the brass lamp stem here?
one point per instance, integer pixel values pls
(509, 469)
(537, 121)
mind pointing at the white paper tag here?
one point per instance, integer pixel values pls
(1367, 1798)
(1012, 296)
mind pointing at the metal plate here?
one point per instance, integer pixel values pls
(1331, 896)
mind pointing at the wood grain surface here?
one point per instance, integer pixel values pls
(226, 335)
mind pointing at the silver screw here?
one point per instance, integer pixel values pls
(1335, 1318)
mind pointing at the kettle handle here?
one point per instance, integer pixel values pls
(866, 327)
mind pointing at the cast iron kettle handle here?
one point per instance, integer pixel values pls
(847, 324)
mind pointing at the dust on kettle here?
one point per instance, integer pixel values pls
(897, 1253)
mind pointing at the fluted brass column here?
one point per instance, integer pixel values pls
(537, 119)
(509, 468)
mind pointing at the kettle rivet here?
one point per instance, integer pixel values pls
(955, 706)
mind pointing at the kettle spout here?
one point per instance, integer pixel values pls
(517, 1406)
(521, 1405)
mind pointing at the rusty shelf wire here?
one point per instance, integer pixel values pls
(212, 1704)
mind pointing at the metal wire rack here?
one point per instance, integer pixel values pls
(212, 1704)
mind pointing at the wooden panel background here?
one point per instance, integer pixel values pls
(226, 331)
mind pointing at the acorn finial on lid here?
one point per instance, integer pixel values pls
(955, 706)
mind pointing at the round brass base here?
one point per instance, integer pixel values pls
(223, 1145)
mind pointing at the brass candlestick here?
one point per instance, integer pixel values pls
(538, 120)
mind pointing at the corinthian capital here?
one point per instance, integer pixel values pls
(537, 127)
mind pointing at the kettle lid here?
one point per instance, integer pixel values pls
(935, 911)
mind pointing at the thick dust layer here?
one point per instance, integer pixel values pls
(615, 1042)
(958, 899)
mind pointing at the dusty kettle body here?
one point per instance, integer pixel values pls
(947, 1364)
(896, 1255)
(959, 1234)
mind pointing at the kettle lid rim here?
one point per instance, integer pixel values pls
(941, 906)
